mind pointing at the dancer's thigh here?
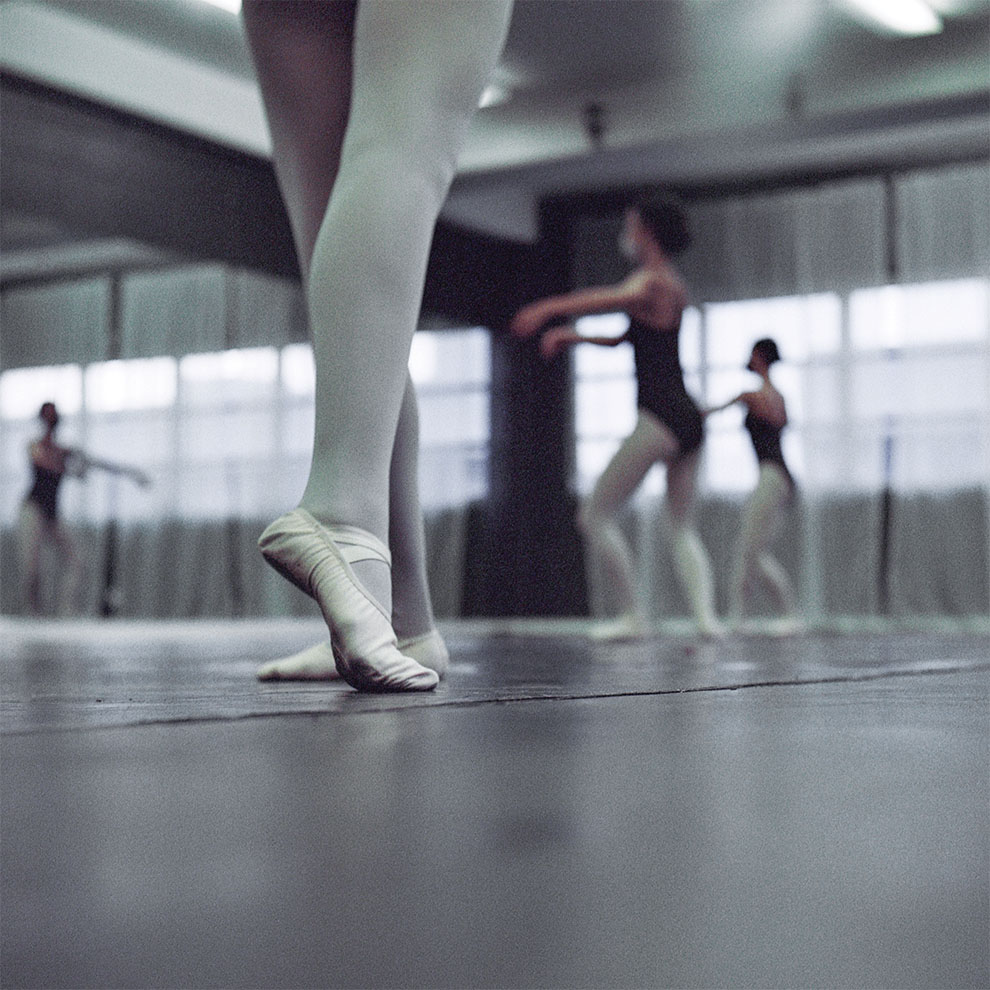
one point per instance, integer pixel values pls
(303, 59)
(763, 508)
(31, 526)
(419, 69)
(643, 448)
(65, 543)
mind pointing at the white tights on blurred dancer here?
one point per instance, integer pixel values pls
(649, 443)
(754, 565)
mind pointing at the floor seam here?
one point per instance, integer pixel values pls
(864, 677)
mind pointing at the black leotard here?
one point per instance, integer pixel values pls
(44, 491)
(766, 442)
(660, 384)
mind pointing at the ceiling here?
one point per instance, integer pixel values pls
(685, 90)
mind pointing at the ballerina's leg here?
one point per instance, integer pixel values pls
(408, 117)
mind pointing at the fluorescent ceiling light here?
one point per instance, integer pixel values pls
(503, 83)
(493, 95)
(234, 6)
(911, 18)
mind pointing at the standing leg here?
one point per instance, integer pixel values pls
(599, 524)
(71, 566)
(407, 121)
(302, 56)
(303, 59)
(691, 559)
(412, 608)
(779, 585)
(753, 563)
(32, 533)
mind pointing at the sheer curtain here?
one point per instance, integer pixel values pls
(199, 376)
(875, 288)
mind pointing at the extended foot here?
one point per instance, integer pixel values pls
(316, 663)
(429, 649)
(317, 559)
(787, 625)
(623, 627)
(712, 629)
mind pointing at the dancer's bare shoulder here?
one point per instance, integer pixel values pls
(661, 298)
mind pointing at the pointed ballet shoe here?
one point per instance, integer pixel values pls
(712, 630)
(429, 649)
(316, 662)
(317, 559)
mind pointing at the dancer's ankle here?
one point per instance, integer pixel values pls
(318, 559)
(374, 574)
(376, 577)
(427, 649)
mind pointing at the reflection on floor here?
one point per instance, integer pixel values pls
(765, 811)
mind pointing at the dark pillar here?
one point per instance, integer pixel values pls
(527, 557)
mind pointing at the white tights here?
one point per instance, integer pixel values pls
(754, 565)
(35, 531)
(418, 71)
(649, 443)
(412, 609)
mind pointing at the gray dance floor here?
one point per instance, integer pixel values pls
(807, 811)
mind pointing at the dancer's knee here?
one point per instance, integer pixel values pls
(591, 518)
(683, 534)
(427, 161)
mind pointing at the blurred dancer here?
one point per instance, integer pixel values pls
(40, 523)
(368, 104)
(668, 424)
(766, 417)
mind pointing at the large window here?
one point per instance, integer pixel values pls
(808, 331)
(452, 372)
(887, 385)
(229, 434)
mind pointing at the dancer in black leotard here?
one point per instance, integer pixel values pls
(669, 424)
(51, 462)
(766, 417)
(660, 384)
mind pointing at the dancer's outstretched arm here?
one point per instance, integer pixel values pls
(763, 405)
(711, 410)
(86, 463)
(556, 339)
(656, 298)
(630, 294)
